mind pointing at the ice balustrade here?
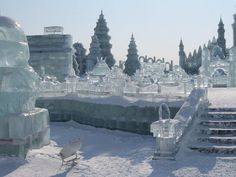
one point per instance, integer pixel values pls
(169, 132)
(117, 83)
(145, 82)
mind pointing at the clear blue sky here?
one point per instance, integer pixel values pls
(157, 25)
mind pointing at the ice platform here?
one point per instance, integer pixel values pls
(21, 132)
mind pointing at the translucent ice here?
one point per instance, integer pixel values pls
(19, 86)
(18, 81)
(14, 49)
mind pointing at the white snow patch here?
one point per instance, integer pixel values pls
(222, 97)
(112, 154)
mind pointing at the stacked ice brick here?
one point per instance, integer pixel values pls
(22, 126)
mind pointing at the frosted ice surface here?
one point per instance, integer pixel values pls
(101, 68)
(19, 86)
(14, 50)
(18, 81)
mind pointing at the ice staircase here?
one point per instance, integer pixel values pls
(214, 132)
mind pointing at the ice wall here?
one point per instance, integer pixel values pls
(113, 112)
(53, 53)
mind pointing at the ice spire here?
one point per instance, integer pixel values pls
(132, 63)
(94, 53)
(190, 56)
(182, 55)
(181, 45)
(209, 44)
(234, 30)
(199, 52)
(194, 53)
(221, 37)
(101, 30)
(214, 41)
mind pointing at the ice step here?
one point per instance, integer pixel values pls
(216, 130)
(218, 122)
(209, 148)
(221, 115)
(215, 109)
(218, 139)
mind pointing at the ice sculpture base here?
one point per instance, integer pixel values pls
(166, 148)
(165, 156)
(23, 132)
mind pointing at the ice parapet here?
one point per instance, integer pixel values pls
(169, 132)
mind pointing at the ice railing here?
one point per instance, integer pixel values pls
(116, 83)
(169, 132)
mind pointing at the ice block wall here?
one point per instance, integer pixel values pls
(117, 114)
(51, 52)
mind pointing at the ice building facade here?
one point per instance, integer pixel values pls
(51, 54)
(22, 126)
(215, 65)
(213, 60)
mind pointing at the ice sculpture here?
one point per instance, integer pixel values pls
(22, 126)
(101, 68)
(165, 132)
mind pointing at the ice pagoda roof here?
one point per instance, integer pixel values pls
(101, 69)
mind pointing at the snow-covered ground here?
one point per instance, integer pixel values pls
(107, 153)
(222, 97)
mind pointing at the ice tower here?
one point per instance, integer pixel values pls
(101, 31)
(22, 126)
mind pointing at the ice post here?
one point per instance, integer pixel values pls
(22, 126)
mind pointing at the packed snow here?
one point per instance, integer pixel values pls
(222, 97)
(112, 153)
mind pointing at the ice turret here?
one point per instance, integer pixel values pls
(182, 55)
(221, 36)
(214, 41)
(234, 31)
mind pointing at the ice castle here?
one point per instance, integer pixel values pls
(214, 60)
(22, 126)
